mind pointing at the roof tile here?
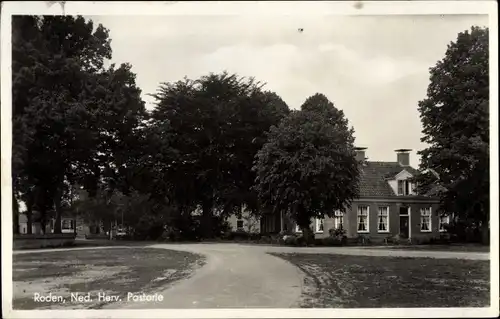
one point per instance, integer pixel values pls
(373, 179)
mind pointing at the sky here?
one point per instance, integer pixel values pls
(374, 68)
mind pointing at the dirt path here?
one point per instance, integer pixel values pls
(234, 277)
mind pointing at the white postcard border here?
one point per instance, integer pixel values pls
(253, 8)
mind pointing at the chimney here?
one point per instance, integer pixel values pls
(403, 156)
(360, 154)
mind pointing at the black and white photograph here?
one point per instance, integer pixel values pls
(249, 159)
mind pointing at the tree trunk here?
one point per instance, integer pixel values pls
(485, 234)
(57, 208)
(29, 221)
(43, 219)
(308, 235)
(110, 230)
(29, 213)
(304, 221)
(15, 216)
(206, 220)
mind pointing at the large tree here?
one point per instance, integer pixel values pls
(455, 119)
(72, 116)
(308, 165)
(213, 127)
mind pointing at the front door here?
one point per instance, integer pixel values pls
(404, 226)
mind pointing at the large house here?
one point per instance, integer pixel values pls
(388, 205)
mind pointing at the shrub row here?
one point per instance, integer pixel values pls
(299, 241)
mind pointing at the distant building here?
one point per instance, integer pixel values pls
(68, 225)
(387, 205)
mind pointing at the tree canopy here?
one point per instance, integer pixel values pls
(455, 119)
(308, 165)
(72, 116)
(212, 129)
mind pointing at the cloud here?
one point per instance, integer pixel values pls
(375, 68)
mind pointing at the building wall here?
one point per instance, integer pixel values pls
(415, 221)
(328, 223)
(250, 223)
(351, 222)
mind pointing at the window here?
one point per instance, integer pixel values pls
(383, 219)
(363, 219)
(320, 225)
(444, 220)
(425, 220)
(239, 224)
(338, 220)
(404, 187)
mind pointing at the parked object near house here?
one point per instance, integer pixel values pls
(387, 207)
(121, 232)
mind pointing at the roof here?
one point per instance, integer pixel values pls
(374, 175)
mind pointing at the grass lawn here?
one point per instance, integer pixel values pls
(114, 271)
(336, 281)
(457, 248)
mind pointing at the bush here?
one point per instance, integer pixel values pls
(265, 239)
(319, 241)
(96, 236)
(148, 228)
(239, 235)
(301, 241)
(390, 240)
(255, 236)
(171, 235)
(338, 235)
(221, 227)
(332, 241)
(467, 232)
(181, 228)
(363, 240)
(284, 233)
(442, 239)
(337, 232)
(125, 237)
(291, 240)
(396, 240)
